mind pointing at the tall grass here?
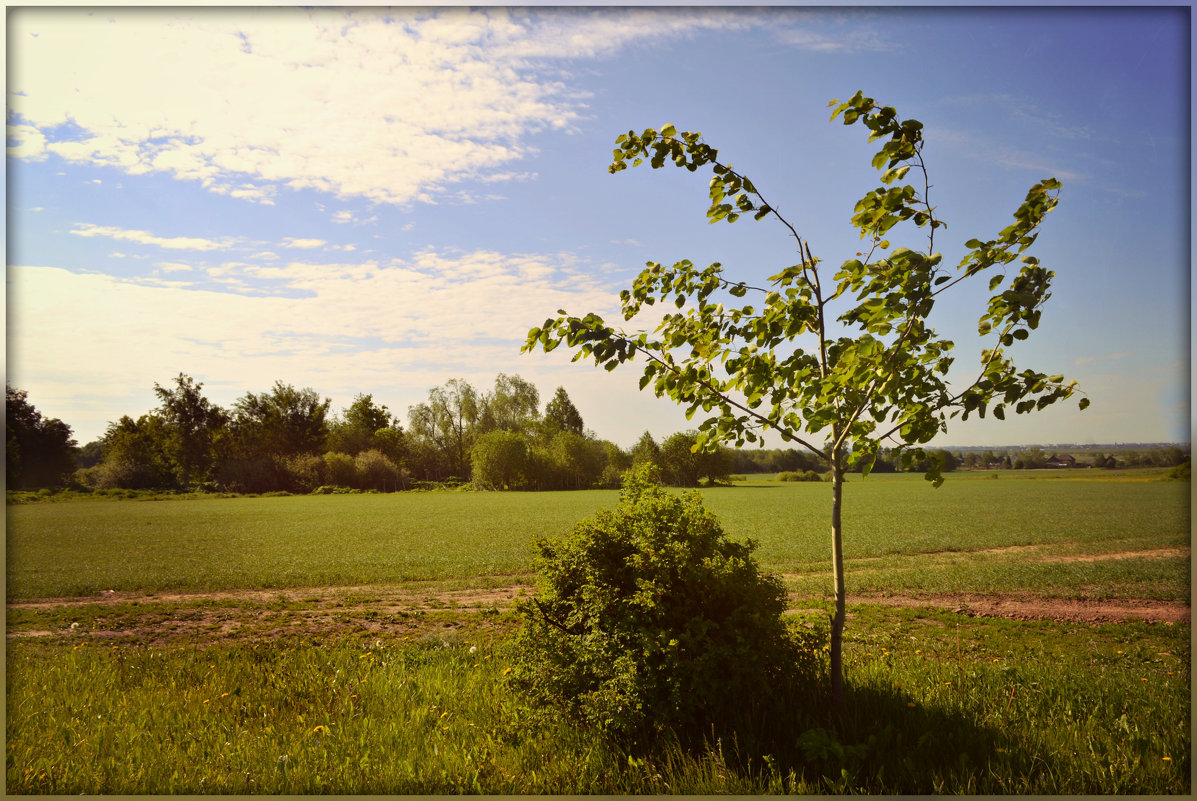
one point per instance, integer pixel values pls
(937, 703)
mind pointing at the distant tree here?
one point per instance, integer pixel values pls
(365, 426)
(679, 464)
(500, 460)
(1034, 459)
(302, 472)
(447, 421)
(577, 461)
(684, 465)
(263, 435)
(617, 462)
(283, 422)
(91, 454)
(39, 452)
(646, 450)
(137, 455)
(510, 406)
(192, 423)
(561, 414)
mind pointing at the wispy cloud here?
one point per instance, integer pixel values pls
(849, 41)
(1103, 358)
(982, 147)
(146, 238)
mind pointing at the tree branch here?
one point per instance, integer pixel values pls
(573, 632)
(764, 421)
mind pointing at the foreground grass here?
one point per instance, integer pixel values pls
(899, 532)
(938, 703)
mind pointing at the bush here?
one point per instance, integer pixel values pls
(375, 471)
(304, 472)
(793, 475)
(649, 620)
(340, 470)
(332, 489)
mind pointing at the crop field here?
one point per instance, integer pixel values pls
(1028, 634)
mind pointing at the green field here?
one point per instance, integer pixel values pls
(901, 535)
(313, 644)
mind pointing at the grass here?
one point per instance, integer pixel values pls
(937, 703)
(896, 525)
(82, 548)
(336, 688)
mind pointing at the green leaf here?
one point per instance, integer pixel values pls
(668, 131)
(1084, 404)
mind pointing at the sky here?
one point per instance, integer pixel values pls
(376, 201)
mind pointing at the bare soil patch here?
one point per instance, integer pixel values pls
(414, 611)
(1155, 553)
(307, 612)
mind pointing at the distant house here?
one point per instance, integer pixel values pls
(1057, 461)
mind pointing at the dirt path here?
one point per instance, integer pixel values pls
(421, 611)
(1064, 610)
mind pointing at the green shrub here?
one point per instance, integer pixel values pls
(376, 471)
(333, 489)
(795, 475)
(340, 469)
(304, 472)
(649, 620)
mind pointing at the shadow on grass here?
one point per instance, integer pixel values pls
(883, 742)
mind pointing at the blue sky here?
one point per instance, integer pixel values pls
(376, 202)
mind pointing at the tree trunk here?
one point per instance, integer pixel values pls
(837, 574)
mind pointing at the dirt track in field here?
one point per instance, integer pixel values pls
(409, 612)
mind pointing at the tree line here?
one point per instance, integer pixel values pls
(289, 440)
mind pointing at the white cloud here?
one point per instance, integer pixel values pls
(394, 106)
(146, 238)
(293, 242)
(351, 325)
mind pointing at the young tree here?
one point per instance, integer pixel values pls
(837, 363)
